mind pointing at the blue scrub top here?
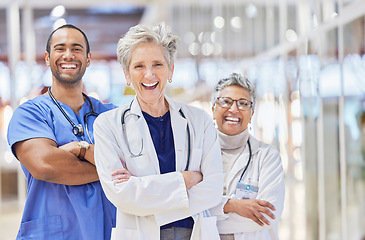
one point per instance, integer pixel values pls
(56, 211)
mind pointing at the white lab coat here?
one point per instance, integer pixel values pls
(149, 199)
(264, 171)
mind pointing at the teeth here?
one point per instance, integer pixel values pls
(232, 119)
(149, 84)
(69, 66)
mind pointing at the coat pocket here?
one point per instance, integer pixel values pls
(205, 227)
(47, 228)
(209, 229)
(123, 233)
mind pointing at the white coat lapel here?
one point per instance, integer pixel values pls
(178, 124)
(241, 162)
(142, 127)
(237, 169)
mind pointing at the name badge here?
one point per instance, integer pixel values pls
(246, 191)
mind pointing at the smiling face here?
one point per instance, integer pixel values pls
(148, 72)
(67, 58)
(232, 121)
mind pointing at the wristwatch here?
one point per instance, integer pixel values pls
(83, 146)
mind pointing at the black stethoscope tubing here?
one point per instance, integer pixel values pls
(77, 130)
(189, 147)
(249, 160)
(140, 152)
(123, 125)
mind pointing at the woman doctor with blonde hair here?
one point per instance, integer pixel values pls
(158, 160)
(254, 182)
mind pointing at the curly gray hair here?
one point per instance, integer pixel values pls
(160, 34)
(234, 80)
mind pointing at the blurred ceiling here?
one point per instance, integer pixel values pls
(105, 21)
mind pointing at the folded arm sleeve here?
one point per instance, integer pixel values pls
(141, 196)
(218, 210)
(272, 189)
(207, 193)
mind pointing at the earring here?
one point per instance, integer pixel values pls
(170, 80)
(128, 84)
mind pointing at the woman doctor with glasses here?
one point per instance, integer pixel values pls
(253, 195)
(159, 161)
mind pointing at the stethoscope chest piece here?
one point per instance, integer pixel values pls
(78, 130)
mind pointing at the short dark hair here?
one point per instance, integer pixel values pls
(234, 79)
(48, 47)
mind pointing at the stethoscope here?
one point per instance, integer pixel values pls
(78, 130)
(249, 160)
(140, 151)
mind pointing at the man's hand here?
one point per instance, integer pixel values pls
(47, 162)
(74, 148)
(252, 209)
(191, 178)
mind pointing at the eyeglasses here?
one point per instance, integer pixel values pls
(242, 103)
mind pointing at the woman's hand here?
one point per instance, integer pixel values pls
(191, 178)
(121, 175)
(251, 208)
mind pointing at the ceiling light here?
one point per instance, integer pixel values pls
(207, 49)
(236, 22)
(194, 48)
(213, 37)
(58, 12)
(200, 36)
(291, 35)
(219, 22)
(251, 10)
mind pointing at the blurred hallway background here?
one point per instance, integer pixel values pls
(306, 58)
